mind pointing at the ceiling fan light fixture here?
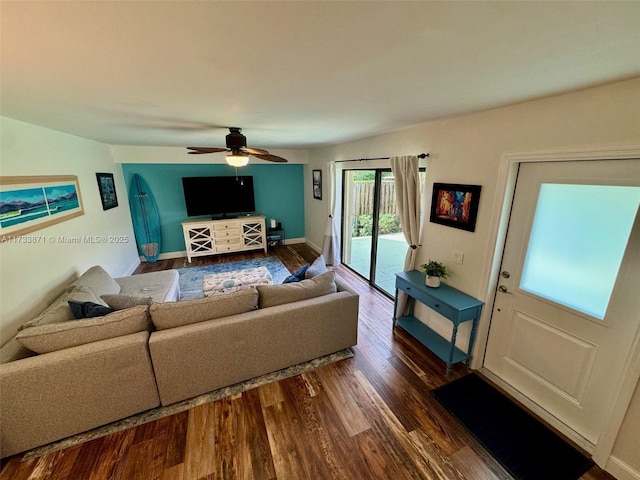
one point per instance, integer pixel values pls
(237, 160)
(237, 145)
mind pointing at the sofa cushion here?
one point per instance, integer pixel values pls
(119, 301)
(88, 309)
(13, 350)
(59, 311)
(318, 267)
(162, 286)
(177, 314)
(97, 280)
(272, 295)
(60, 335)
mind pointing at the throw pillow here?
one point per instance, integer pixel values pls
(318, 267)
(88, 309)
(61, 335)
(176, 314)
(301, 271)
(297, 275)
(272, 295)
(97, 280)
(119, 301)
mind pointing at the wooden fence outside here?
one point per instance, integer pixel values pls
(363, 198)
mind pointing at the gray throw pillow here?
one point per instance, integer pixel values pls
(318, 267)
(97, 280)
(120, 301)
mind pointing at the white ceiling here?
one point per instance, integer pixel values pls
(296, 74)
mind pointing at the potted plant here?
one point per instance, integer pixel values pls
(434, 272)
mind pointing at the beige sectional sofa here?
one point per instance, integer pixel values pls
(87, 373)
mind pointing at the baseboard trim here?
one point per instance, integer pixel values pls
(621, 470)
(132, 268)
(293, 241)
(314, 246)
(167, 256)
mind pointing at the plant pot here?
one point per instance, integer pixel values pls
(433, 282)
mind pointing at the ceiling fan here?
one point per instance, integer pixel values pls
(237, 145)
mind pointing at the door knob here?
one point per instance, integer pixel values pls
(505, 274)
(503, 289)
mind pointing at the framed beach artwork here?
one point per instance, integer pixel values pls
(455, 205)
(107, 189)
(28, 204)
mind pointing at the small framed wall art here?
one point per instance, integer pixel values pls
(317, 184)
(107, 189)
(455, 205)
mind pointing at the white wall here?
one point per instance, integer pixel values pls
(469, 149)
(32, 275)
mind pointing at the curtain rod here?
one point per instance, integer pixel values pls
(422, 155)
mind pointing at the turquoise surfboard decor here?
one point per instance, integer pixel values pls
(146, 220)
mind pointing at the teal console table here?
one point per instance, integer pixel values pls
(456, 306)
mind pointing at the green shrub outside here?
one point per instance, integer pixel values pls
(363, 227)
(389, 223)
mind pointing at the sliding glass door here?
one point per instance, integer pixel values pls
(358, 199)
(373, 244)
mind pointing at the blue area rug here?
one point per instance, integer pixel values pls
(191, 277)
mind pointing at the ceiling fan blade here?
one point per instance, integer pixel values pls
(254, 151)
(197, 150)
(271, 158)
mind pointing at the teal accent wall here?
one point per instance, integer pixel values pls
(278, 189)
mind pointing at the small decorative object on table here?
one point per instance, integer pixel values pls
(434, 272)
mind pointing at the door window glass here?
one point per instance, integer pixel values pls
(578, 238)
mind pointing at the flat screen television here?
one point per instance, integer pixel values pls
(223, 196)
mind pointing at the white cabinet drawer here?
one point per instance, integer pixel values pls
(234, 247)
(226, 225)
(228, 241)
(234, 232)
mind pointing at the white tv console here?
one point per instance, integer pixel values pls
(212, 237)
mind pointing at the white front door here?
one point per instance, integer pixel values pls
(567, 308)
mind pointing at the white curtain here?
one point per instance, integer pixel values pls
(330, 245)
(407, 183)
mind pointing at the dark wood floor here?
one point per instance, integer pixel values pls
(369, 417)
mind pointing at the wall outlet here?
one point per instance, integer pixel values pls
(458, 257)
